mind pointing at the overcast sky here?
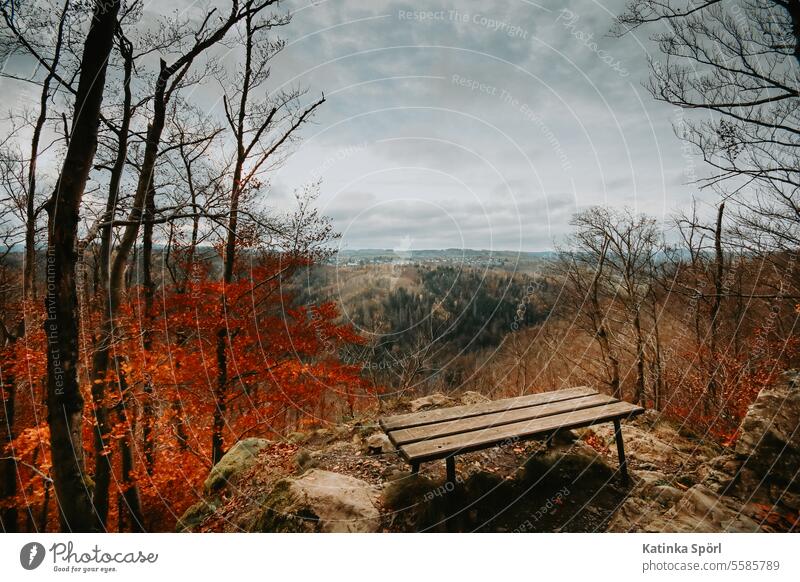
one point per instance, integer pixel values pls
(477, 124)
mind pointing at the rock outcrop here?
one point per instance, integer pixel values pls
(195, 515)
(701, 510)
(769, 440)
(319, 501)
(239, 458)
(752, 487)
(349, 478)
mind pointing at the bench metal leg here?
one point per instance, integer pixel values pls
(451, 469)
(414, 468)
(623, 464)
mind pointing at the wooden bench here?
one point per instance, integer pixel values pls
(444, 433)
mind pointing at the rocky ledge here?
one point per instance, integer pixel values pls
(349, 478)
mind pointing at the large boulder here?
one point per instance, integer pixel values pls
(319, 501)
(239, 458)
(769, 440)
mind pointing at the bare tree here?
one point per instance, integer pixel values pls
(617, 250)
(260, 128)
(582, 268)
(737, 62)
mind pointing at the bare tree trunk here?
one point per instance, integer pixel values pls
(229, 258)
(217, 441)
(64, 402)
(719, 265)
(658, 377)
(148, 410)
(602, 333)
(42, 527)
(130, 496)
(118, 265)
(102, 447)
(638, 396)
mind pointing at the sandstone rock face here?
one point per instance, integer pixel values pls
(240, 457)
(319, 501)
(719, 473)
(750, 488)
(656, 504)
(769, 443)
(650, 498)
(435, 400)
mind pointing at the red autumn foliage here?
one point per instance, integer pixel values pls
(739, 377)
(284, 373)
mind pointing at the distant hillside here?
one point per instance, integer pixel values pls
(514, 260)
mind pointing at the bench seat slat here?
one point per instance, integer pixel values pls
(447, 428)
(413, 419)
(480, 439)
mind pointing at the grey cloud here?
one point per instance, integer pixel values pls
(553, 129)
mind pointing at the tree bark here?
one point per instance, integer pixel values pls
(64, 400)
(148, 409)
(217, 441)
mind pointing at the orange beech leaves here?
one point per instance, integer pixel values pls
(283, 368)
